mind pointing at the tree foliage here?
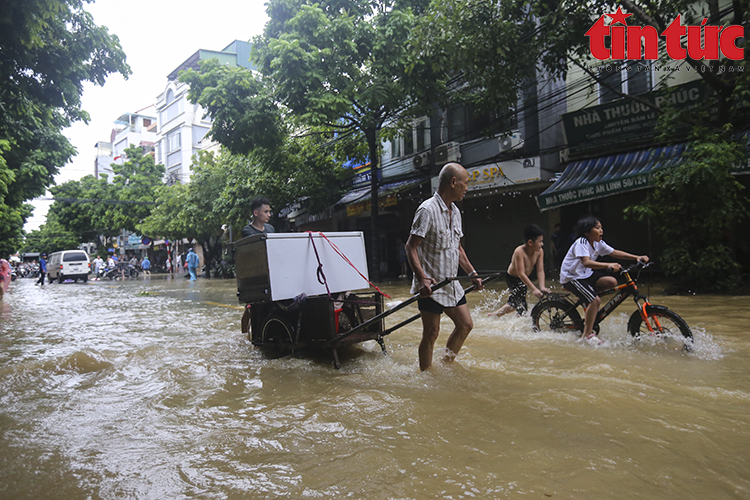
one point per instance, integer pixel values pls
(694, 206)
(134, 187)
(81, 207)
(52, 236)
(222, 187)
(245, 116)
(91, 208)
(48, 49)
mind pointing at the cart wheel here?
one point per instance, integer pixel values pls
(277, 332)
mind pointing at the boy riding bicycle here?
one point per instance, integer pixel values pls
(525, 259)
(582, 275)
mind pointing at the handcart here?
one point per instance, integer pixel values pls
(309, 291)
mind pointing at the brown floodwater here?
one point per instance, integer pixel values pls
(147, 389)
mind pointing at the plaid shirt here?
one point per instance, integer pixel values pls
(438, 253)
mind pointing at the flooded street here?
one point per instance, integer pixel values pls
(147, 389)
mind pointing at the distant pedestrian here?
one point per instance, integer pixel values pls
(42, 269)
(4, 277)
(178, 263)
(98, 263)
(192, 264)
(146, 266)
(122, 266)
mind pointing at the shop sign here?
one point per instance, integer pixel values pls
(625, 121)
(361, 207)
(594, 190)
(363, 177)
(504, 173)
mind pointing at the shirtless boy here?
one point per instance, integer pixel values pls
(525, 258)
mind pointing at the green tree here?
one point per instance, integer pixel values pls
(303, 169)
(222, 187)
(134, 186)
(188, 210)
(166, 218)
(81, 208)
(52, 236)
(48, 49)
(694, 206)
(241, 104)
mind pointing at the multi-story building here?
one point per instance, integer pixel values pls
(131, 129)
(182, 126)
(103, 160)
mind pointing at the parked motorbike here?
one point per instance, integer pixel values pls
(114, 272)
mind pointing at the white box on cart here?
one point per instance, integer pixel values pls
(280, 266)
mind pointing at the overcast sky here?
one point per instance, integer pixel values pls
(156, 35)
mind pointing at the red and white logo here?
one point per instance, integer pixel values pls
(642, 42)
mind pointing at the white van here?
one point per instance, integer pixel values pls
(68, 265)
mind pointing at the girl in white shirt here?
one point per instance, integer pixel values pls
(583, 275)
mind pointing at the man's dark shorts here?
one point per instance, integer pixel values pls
(585, 289)
(517, 290)
(429, 305)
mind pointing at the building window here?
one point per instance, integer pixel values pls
(171, 111)
(638, 79)
(422, 140)
(173, 141)
(464, 124)
(408, 143)
(414, 140)
(396, 147)
(632, 78)
(456, 121)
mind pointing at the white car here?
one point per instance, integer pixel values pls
(68, 265)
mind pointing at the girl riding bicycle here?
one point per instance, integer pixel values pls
(582, 275)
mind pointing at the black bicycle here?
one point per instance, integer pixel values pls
(557, 313)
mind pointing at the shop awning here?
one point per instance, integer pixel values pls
(363, 194)
(607, 175)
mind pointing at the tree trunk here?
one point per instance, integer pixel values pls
(372, 142)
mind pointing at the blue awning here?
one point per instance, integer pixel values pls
(599, 177)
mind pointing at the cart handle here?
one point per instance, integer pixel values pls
(485, 279)
(382, 315)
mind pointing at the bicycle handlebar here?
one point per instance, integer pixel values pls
(642, 265)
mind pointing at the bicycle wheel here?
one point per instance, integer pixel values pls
(666, 326)
(557, 316)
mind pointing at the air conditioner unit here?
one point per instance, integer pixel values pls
(421, 160)
(446, 153)
(511, 142)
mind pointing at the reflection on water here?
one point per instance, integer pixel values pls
(147, 389)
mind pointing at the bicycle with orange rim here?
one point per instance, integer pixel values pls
(558, 313)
